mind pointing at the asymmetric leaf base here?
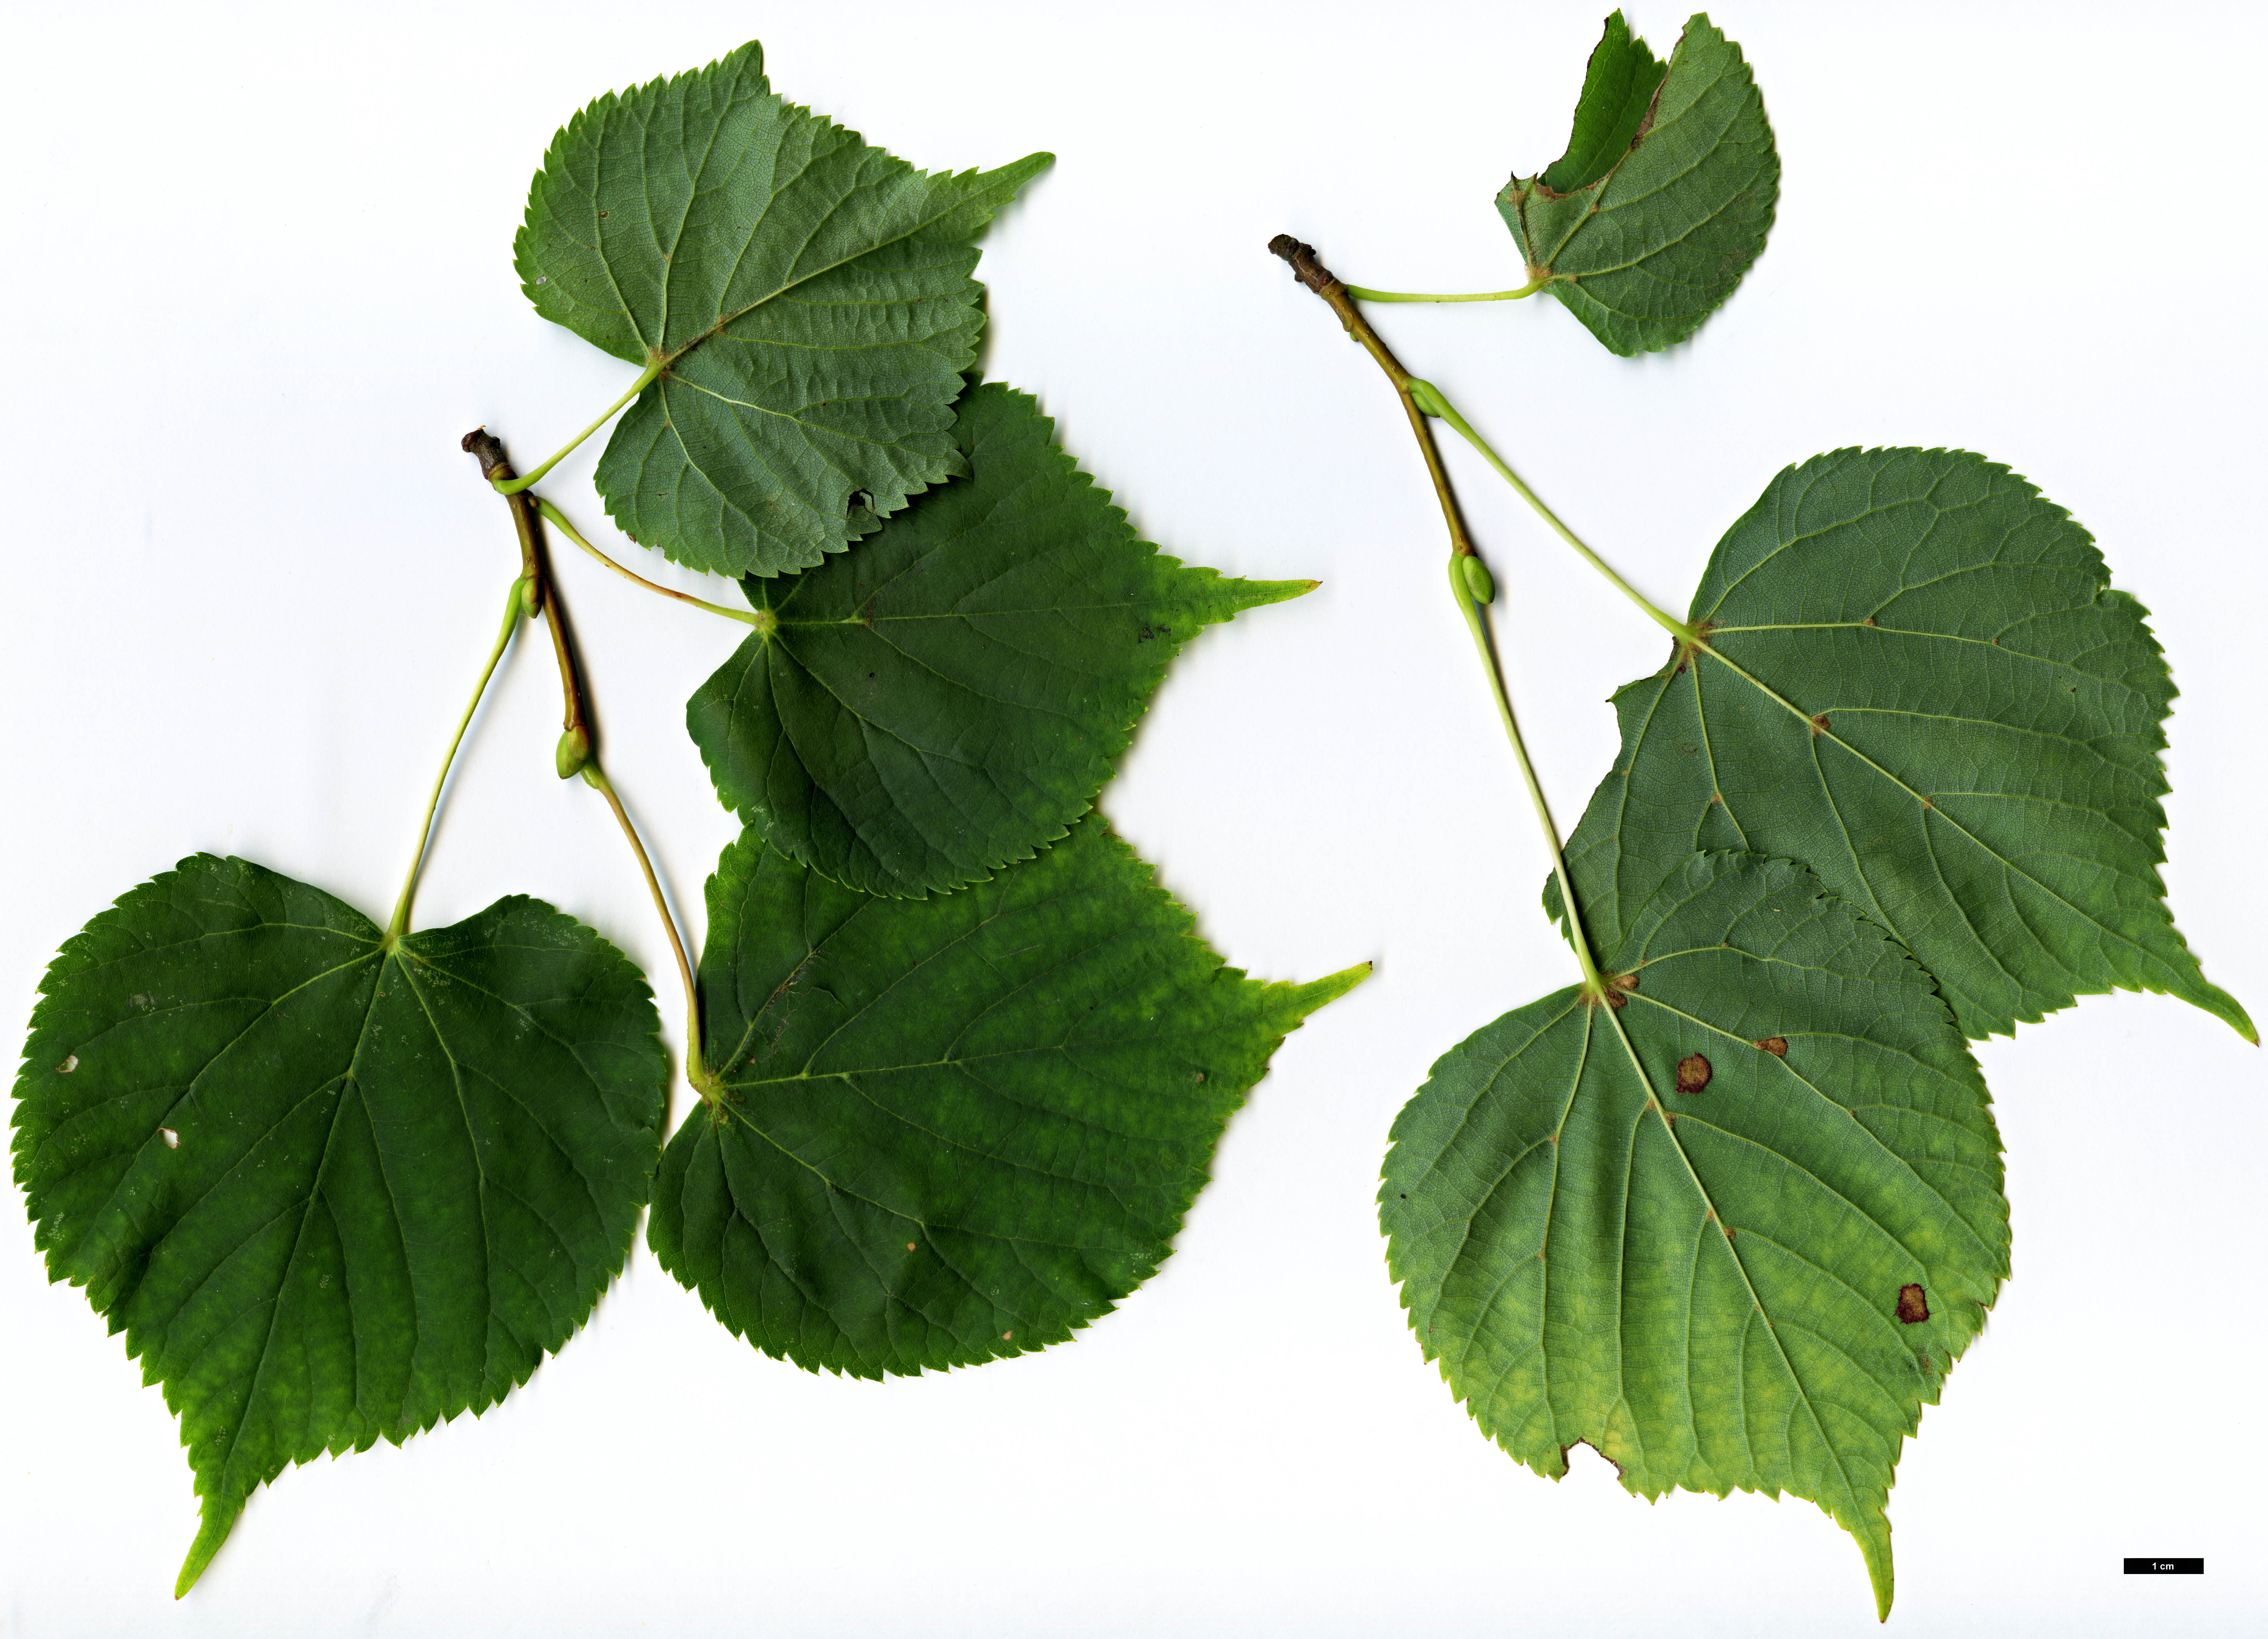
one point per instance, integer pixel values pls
(956, 1128)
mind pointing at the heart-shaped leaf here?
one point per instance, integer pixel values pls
(1916, 679)
(951, 696)
(954, 1129)
(1646, 224)
(1732, 1230)
(808, 298)
(333, 1185)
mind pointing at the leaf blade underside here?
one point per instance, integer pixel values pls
(1720, 1299)
(1644, 252)
(810, 295)
(951, 696)
(957, 1129)
(1919, 683)
(332, 1191)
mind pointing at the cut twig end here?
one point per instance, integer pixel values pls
(1305, 267)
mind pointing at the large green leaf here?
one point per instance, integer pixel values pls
(1917, 681)
(1644, 240)
(333, 1186)
(809, 297)
(950, 697)
(954, 1129)
(1731, 1232)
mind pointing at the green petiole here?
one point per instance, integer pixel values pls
(646, 379)
(1529, 288)
(514, 606)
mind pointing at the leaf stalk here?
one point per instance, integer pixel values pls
(1675, 627)
(514, 606)
(646, 379)
(1362, 294)
(557, 520)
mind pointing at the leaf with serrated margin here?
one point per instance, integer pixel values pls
(335, 1187)
(1917, 681)
(1731, 1232)
(957, 1129)
(950, 697)
(808, 295)
(1618, 88)
(1645, 249)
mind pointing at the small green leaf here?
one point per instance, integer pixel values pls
(1646, 224)
(950, 697)
(1917, 681)
(808, 297)
(1733, 1230)
(956, 1128)
(1618, 88)
(334, 1187)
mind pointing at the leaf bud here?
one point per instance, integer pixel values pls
(574, 752)
(1428, 398)
(1478, 581)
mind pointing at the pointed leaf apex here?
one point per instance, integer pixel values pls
(219, 1520)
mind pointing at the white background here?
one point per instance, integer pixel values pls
(257, 284)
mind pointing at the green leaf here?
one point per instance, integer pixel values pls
(954, 1129)
(334, 1187)
(1699, 1230)
(1917, 681)
(950, 697)
(1656, 232)
(1618, 90)
(807, 297)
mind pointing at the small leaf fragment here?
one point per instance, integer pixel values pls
(1918, 680)
(951, 696)
(807, 296)
(334, 1187)
(1618, 88)
(1721, 1302)
(1658, 208)
(1026, 1080)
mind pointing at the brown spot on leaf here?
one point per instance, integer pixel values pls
(1869, 620)
(1005, 1336)
(1692, 1073)
(1776, 1046)
(70, 1063)
(1820, 724)
(1929, 802)
(1913, 1308)
(1716, 797)
(1624, 981)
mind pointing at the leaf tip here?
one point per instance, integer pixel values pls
(219, 1520)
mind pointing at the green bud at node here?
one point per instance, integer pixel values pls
(1478, 581)
(574, 752)
(531, 597)
(1427, 397)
